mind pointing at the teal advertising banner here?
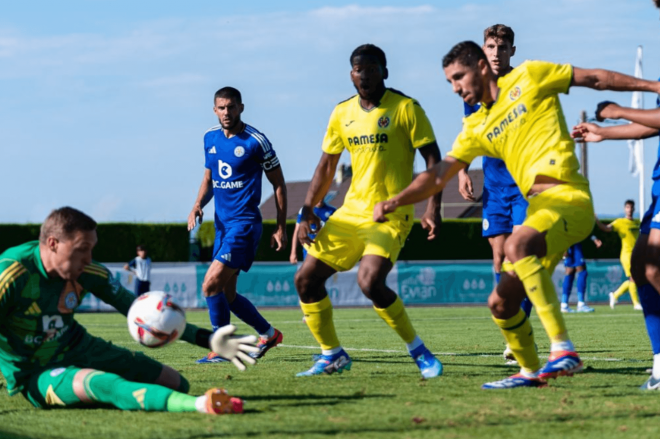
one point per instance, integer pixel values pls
(417, 283)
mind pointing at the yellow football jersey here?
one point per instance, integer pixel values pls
(382, 143)
(525, 126)
(628, 231)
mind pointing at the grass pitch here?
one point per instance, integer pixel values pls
(383, 395)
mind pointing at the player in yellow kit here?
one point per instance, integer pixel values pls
(382, 129)
(521, 122)
(628, 230)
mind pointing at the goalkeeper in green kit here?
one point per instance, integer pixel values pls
(51, 359)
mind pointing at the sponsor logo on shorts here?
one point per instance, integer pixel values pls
(226, 257)
(656, 218)
(485, 224)
(239, 151)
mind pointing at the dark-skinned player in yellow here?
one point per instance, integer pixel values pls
(522, 123)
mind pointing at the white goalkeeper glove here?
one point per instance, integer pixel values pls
(235, 348)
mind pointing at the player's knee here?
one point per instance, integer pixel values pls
(370, 283)
(170, 378)
(79, 385)
(514, 249)
(497, 305)
(210, 287)
(306, 285)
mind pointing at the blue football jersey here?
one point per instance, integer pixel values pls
(495, 171)
(237, 165)
(324, 212)
(656, 168)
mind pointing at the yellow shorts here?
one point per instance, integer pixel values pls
(345, 238)
(566, 213)
(625, 262)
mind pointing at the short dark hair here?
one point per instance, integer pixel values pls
(468, 53)
(500, 31)
(64, 222)
(657, 3)
(228, 93)
(370, 50)
(142, 247)
(631, 201)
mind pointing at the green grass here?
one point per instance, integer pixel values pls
(383, 395)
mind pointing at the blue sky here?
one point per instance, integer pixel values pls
(104, 103)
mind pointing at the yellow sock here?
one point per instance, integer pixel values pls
(520, 337)
(540, 290)
(396, 317)
(622, 289)
(319, 321)
(633, 293)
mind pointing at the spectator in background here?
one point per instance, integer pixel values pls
(141, 267)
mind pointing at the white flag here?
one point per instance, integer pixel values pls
(637, 146)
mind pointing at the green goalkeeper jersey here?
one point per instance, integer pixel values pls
(37, 327)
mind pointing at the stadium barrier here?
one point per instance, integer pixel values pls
(418, 283)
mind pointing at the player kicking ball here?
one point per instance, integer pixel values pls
(47, 356)
(521, 122)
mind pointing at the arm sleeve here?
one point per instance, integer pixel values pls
(264, 153)
(132, 263)
(551, 78)
(417, 124)
(13, 278)
(465, 148)
(332, 142)
(98, 280)
(208, 161)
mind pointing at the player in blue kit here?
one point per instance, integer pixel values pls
(322, 210)
(504, 207)
(574, 263)
(236, 157)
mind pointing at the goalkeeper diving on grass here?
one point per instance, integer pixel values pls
(46, 355)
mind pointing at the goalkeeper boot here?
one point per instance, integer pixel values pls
(265, 344)
(561, 363)
(218, 402)
(514, 381)
(212, 357)
(429, 366)
(329, 364)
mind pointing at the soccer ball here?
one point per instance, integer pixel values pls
(155, 320)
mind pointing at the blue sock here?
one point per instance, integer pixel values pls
(581, 284)
(567, 287)
(245, 310)
(497, 277)
(419, 350)
(218, 310)
(526, 306)
(650, 300)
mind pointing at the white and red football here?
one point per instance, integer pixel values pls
(155, 320)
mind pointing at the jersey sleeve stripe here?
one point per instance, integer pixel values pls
(265, 144)
(91, 269)
(10, 276)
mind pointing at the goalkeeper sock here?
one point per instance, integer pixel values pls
(109, 388)
(318, 317)
(520, 338)
(396, 317)
(179, 403)
(218, 310)
(540, 290)
(622, 290)
(246, 311)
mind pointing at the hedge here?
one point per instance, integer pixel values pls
(458, 240)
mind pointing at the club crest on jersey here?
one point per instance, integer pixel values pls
(71, 300)
(239, 151)
(515, 93)
(384, 122)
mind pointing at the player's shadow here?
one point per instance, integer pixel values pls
(633, 370)
(313, 399)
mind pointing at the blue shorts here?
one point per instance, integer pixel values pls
(503, 208)
(141, 287)
(651, 219)
(574, 257)
(236, 244)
